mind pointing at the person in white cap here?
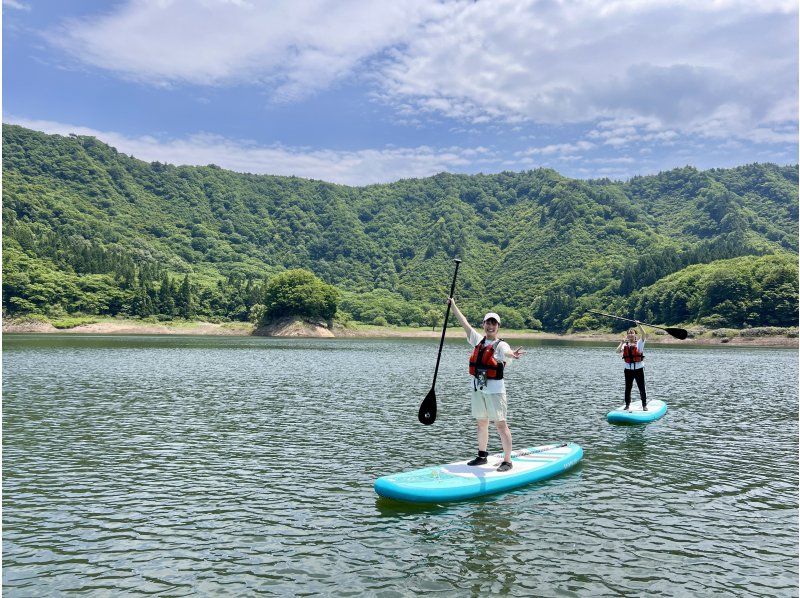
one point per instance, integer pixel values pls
(487, 365)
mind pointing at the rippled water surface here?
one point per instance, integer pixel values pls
(234, 466)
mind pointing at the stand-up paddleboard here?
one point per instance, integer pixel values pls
(655, 410)
(456, 481)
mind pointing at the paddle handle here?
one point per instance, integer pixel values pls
(444, 326)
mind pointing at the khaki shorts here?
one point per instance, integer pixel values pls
(487, 405)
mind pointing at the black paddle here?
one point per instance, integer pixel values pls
(427, 409)
(678, 333)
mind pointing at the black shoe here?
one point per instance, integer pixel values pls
(644, 407)
(505, 466)
(481, 459)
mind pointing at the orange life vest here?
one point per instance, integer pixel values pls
(482, 361)
(631, 353)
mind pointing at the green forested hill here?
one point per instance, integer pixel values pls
(88, 229)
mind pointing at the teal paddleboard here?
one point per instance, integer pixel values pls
(655, 410)
(457, 481)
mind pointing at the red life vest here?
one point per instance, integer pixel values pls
(482, 361)
(631, 353)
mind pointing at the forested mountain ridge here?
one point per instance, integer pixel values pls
(88, 229)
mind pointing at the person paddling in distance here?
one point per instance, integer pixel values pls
(632, 349)
(486, 365)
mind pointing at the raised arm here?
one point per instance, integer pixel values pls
(460, 317)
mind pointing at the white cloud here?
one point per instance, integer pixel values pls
(293, 47)
(15, 4)
(620, 132)
(561, 149)
(719, 68)
(358, 167)
(680, 64)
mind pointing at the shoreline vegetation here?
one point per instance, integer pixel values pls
(297, 328)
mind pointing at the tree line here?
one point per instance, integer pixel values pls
(89, 230)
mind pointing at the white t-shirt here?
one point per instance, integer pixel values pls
(500, 350)
(640, 365)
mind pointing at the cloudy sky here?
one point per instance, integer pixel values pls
(366, 91)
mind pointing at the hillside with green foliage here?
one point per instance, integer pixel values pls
(89, 230)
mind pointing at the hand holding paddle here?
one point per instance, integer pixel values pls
(427, 409)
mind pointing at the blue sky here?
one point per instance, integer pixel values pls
(370, 91)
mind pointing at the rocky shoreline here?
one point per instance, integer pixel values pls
(298, 328)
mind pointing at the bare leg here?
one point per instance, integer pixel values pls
(483, 434)
(505, 438)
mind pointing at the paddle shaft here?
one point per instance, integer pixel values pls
(599, 313)
(444, 326)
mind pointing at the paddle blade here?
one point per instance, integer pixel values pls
(678, 333)
(427, 409)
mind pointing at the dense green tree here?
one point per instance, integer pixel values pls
(746, 291)
(185, 303)
(299, 293)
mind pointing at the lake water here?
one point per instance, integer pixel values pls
(235, 466)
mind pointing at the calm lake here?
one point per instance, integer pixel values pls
(235, 466)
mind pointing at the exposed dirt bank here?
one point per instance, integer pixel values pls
(294, 328)
(130, 327)
(298, 328)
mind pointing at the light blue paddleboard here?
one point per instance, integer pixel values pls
(655, 410)
(457, 481)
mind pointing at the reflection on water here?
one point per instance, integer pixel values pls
(634, 445)
(230, 466)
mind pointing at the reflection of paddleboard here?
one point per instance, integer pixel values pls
(456, 481)
(655, 410)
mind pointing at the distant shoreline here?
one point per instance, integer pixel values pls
(296, 329)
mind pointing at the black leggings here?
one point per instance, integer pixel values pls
(630, 376)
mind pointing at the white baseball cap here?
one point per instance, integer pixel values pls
(491, 316)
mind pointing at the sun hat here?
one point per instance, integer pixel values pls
(491, 316)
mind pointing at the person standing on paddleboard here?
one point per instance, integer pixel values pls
(632, 350)
(486, 365)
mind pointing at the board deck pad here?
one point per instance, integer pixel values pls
(457, 481)
(655, 410)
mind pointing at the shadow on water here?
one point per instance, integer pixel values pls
(389, 507)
